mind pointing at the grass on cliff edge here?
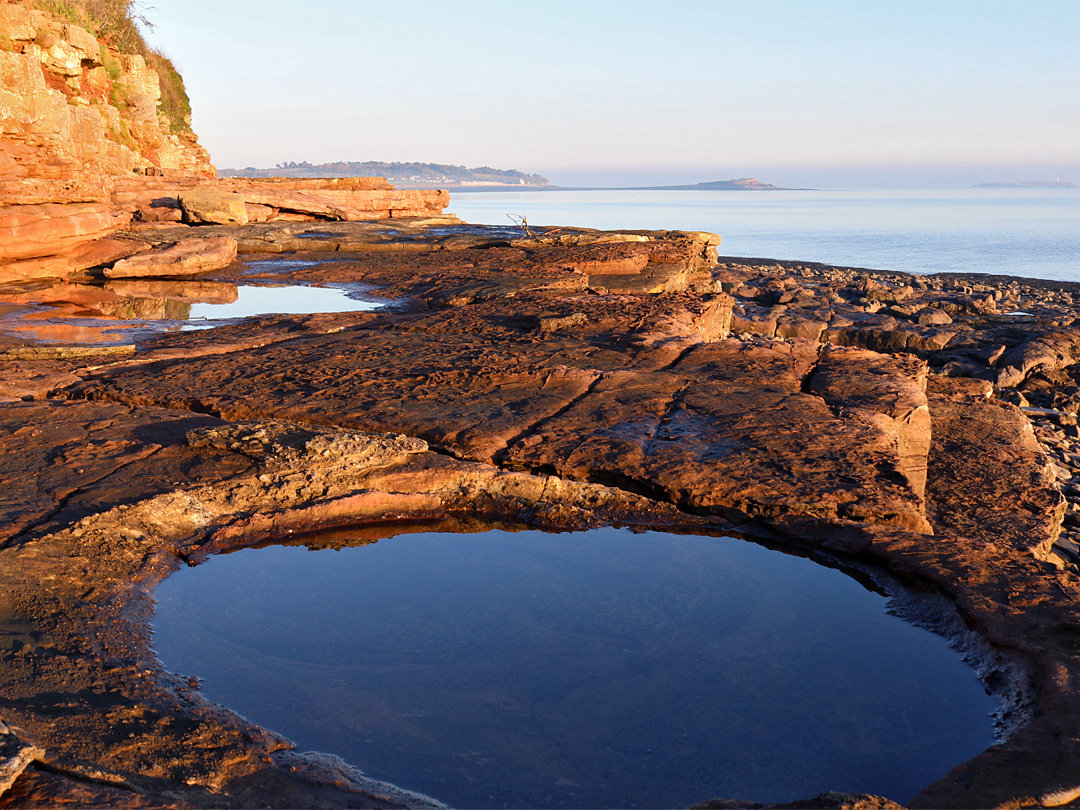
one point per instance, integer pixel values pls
(116, 24)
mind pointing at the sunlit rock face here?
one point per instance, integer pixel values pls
(86, 147)
(75, 115)
(72, 109)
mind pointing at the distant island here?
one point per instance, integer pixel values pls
(1028, 184)
(741, 184)
(402, 175)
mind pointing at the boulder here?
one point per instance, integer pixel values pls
(15, 756)
(932, 316)
(1050, 351)
(16, 22)
(188, 257)
(84, 44)
(205, 206)
(792, 326)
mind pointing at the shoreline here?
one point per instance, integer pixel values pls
(833, 437)
(924, 426)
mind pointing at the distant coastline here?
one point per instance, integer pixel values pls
(741, 184)
(402, 175)
(1029, 184)
(463, 179)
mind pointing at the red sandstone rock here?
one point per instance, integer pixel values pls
(823, 444)
(76, 259)
(189, 257)
(969, 490)
(326, 516)
(38, 191)
(15, 756)
(213, 207)
(82, 133)
(43, 230)
(346, 205)
(893, 387)
(1051, 351)
(62, 141)
(58, 462)
(231, 201)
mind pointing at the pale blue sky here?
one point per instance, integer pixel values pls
(795, 93)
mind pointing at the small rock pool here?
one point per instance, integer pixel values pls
(253, 300)
(120, 311)
(603, 668)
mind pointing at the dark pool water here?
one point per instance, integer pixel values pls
(592, 669)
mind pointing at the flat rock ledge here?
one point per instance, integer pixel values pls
(560, 380)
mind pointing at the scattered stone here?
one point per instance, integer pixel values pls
(556, 323)
(15, 757)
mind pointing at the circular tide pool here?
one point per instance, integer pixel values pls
(602, 668)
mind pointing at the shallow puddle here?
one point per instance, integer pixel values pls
(589, 669)
(118, 311)
(291, 300)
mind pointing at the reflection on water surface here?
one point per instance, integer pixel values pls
(589, 669)
(261, 300)
(114, 311)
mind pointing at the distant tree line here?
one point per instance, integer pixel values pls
(394, 172)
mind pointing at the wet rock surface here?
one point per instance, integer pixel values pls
(561, 380)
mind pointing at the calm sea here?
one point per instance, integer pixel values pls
(1014, 231)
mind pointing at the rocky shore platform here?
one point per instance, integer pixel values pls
(923, 425)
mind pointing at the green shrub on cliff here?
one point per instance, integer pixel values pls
(66, 10)
(174, 98)
(111, 64)
(116, 23)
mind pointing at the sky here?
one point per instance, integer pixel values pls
(590, 92)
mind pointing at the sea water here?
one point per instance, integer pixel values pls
(1013, 231)
(590, 669)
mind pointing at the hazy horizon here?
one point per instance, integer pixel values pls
(598, 93)
(820, 178)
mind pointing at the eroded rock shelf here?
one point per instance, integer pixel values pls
(568, 380)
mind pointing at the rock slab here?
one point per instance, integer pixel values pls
(188, 257)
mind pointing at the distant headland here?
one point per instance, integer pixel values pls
(402, 175)
(741, 184)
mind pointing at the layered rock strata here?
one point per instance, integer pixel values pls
(561, 381)
(72, 110)
(74, 115)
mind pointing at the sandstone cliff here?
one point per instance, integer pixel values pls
(93, 138)
(74, 111)
(76, 116)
